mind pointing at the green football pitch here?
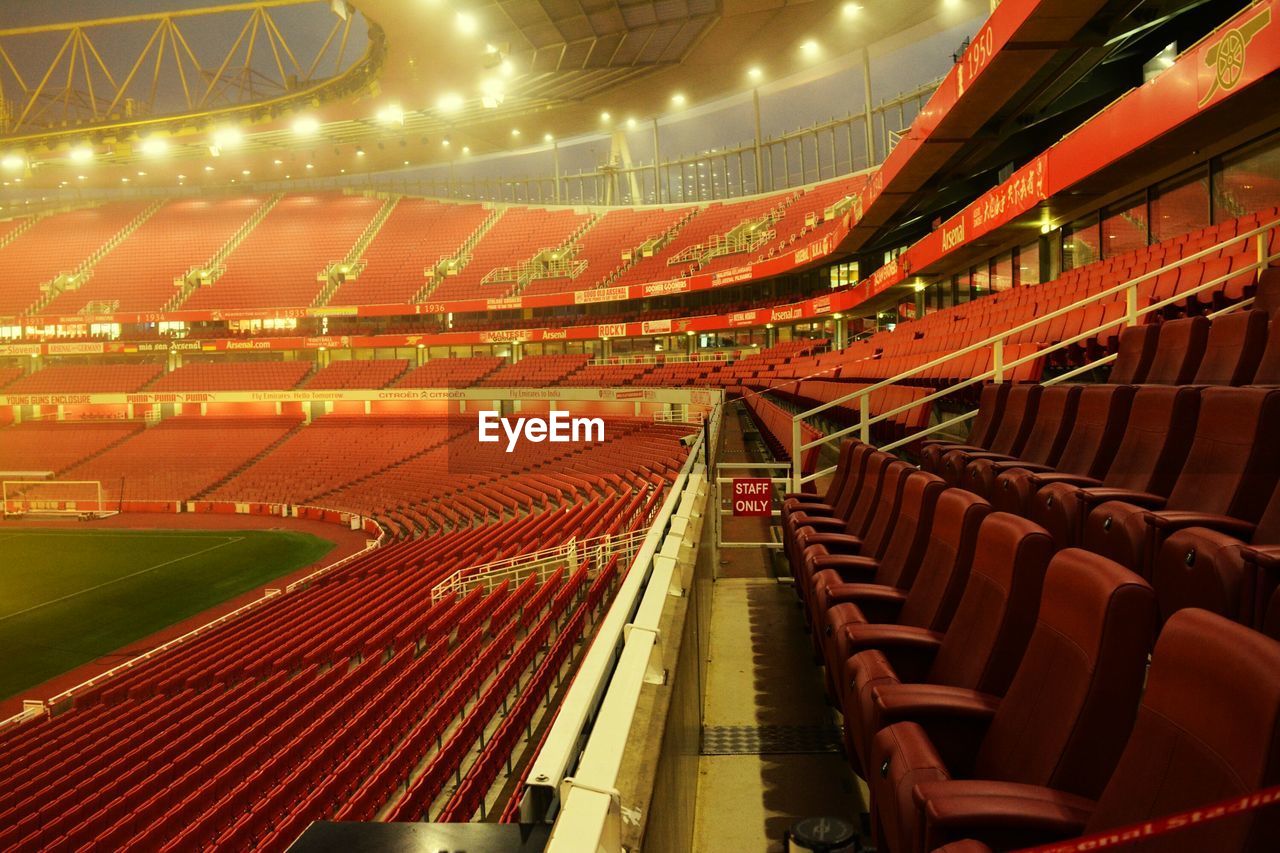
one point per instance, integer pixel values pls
(70, 596)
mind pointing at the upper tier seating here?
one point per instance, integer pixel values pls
(517, 236)
(372, 373)
(606, 375)
(603, 244)
(87, 379)
(535, 371)
(10, 374)
(234, 376)
(138, 274)
(277, 264)
(57, 244)
(417, 235)
(450, 372)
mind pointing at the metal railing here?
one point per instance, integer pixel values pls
(595, 551)
(860, 399)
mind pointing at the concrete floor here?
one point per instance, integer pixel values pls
(760, 673)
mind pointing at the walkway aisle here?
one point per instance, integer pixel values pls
(770, 744)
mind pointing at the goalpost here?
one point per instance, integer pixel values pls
(55, 497)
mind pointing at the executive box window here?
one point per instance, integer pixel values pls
(1124, 226)
(1180, 205)
(1247, 180)
(1080, 243)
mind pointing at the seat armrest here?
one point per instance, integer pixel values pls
(1264, 557)
(989, 456)
(909, 650)
(878, 603)
(956, 719)
(1048, 478)
(852, 570)
(801, 520)
(1171, 520)
(1094, 496)
(835, 543)
(1001, 814)
(1030, 467)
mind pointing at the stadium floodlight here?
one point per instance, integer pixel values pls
(755, 73)
(678, 99)
(809, 48)
(227, 137)
(449, 102)
(81, 154)
(305, 125)
(391, 114)
(851, 10)
(154, 146)
(466, 23)
(13, 161)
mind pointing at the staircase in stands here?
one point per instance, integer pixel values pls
(648, 248)
(208, 273)
(266, 451)
(50, 290)
(560, 262)
(21, 229)
(459, 260)
(351, 266)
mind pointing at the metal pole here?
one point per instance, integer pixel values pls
(657, 179)
(755, 104)
(866, 90)
(555, 156)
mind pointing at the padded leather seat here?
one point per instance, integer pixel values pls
(934, 593)
(1207, 730)
(1055, 418)
(1156, 439)
(986, 423)
(828, 514)
(980, 649)
(1228, 475)
(1234, 349)
(1179, 350)
(898, 564)
(1015, 426)
(1099, 425)
(1136, 351)
(1061, 725)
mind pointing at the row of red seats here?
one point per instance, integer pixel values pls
(989, 680)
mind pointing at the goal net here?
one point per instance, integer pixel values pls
(54, 497)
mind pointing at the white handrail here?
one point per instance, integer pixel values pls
(599, 675)
(997, 341)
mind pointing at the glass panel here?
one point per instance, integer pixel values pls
(1080, 243)
(1124, 227)
(1248, 181)
(1180, 205)
(1028, 271)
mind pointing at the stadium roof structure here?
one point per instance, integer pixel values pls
(387, 81)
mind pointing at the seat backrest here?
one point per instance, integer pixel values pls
(1055, 415)
(1268, 372)
(997, 611)
(860, 455)
(844, 465)
(1019, 416)
(1208, 729)
(944, 569)
(901, 559)
(1178, 351)
(1137, 349)
(1234, 460)
(1162, 422)
(1234, 349)
(868, 497)
(1267, 297)
(991, 404)
(880, 529)
(1101, 415)
(1065, 717)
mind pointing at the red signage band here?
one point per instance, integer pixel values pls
(1161, 825)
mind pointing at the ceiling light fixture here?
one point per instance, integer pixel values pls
(466, 23)
(305, 125)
